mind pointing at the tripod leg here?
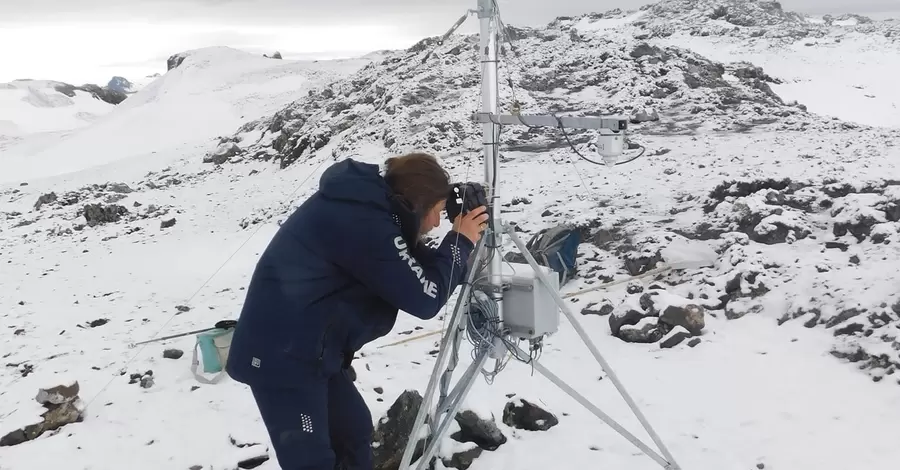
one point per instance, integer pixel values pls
(594, 409)
(448, 336)
(590, 345)
(457, 395)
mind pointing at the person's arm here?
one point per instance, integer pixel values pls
(380, 258)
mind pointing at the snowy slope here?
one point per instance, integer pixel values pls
(213, 91)
(806, 243)
(34, 112)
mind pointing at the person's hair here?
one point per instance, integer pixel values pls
(419, 179)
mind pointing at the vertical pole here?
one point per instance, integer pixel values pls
(489, 104)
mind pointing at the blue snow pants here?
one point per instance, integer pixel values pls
(322, 425)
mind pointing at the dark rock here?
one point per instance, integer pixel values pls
(62, 407)
(860, 229)
(96, 214)
(45, 199)
(482, 432)
(645, 331)
(842, 317)
(98, 322)
(175, 61)
(173, 353)
(627, 316)
(522, 414)
(253, 462)
(693, 342)
(463, 460)
(182, 308)
(640, 265)
(691, 317)
(634, 287)
(738, 310)
(675, 337)
(837, 245)
(393, 431)
(167, 223)
(647, 304)
(119, 84)
(604, 308)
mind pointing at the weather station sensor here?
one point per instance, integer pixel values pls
(610, 140)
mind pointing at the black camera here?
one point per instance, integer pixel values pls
(465, 197)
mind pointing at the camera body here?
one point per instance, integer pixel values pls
(465, 197)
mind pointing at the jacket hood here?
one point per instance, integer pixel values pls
(350, 180)
(353, 181)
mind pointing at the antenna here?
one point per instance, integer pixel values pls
(523, 304)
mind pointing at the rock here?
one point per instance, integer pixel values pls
(636, 265)
(182, 308)
(45, 199)
(147, 381)
(693, 342)
(393, 431)
(120, 188)
(647, 330)
(644, 115)
(222, 153)
(58, 395)
(522, 414)
(175, 61)
(675, 337)
(96, 214)
(691, 317)
(739, 308)
(253, 462)
(482, 432)
(167, 223)
(173, 354)
(63, 407)
(626, 314)
(98, 322)
(634, 287)
(463, 460)
(603, 308)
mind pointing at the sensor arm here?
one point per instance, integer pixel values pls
(614, 124)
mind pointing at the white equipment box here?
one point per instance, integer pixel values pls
(529, 310)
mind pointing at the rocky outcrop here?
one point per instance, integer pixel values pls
(63, 406)
(105, 94)
(422, 97)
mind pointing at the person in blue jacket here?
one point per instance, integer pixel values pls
(333, 279)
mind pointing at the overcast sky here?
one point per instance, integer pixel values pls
(91, 40)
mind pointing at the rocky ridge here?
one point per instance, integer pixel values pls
(423, 98)
(752, 21)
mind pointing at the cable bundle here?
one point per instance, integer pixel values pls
(484, 331)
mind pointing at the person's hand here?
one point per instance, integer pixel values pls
(472, 224)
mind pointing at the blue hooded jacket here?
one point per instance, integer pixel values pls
(334, 277)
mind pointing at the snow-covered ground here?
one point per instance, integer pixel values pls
(763, 386)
